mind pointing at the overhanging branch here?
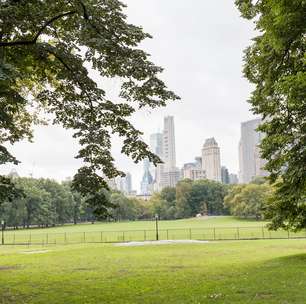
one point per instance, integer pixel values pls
(33, 41)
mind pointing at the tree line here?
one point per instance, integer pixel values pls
(46, 202)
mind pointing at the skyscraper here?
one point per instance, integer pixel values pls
(127, 183)
(146, 186)
(169, 156)
(211, 163)
(156, 146)
(225, 175)
(167, 174)
(250, 162)
(123, 184)
(233, 179)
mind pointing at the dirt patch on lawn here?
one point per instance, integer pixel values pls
(34, 251)
(165, 242)
(8, 268)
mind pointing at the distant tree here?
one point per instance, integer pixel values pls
(45, 50)
(248, 200)
(36, 202)
(183, 193)
(143, 208)
(124, 209)
(207, 196)
(164, 203)
(275, 64)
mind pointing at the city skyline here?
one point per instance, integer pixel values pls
(205, 70)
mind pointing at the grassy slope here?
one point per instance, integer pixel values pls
(225, 272)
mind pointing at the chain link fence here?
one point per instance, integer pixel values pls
(207, 234)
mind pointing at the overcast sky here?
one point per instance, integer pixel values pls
(200, 44)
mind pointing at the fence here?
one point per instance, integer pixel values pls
(208, 234)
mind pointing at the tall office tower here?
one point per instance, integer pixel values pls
(250, 162)
(123, 184)
(233, 179)
(225, 175)
(146, 186)
(169, 156)
(127, 188)
(156, 146)
(211, 160)
(170, 178)
(156, 143)
(167, 174)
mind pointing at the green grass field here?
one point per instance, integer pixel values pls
(265, 271)
(212, 228)
(214, 221)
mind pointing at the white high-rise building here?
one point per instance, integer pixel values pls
(211, 163)
(146, 186)
(169, 156)
(156, 146)
(122, 184)
(250, 163)
(166, 174)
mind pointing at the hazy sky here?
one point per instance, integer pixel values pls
(200, 44)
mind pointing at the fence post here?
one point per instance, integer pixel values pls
(84, 237)
(190, 233)
(30, 239)
(144, 235)
(288, 235)
(14, 239)
(101, 236)
(263, 232)
(123, 235)
(65, 238)
(47, 238)
(167, 234)
(238, 237)
(214, 234)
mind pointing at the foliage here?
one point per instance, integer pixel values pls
(275, 64)
(183, 192)
(48, 203)
(164, 203)
(207, 197)
(190, 198)
(248, 200)
(46, 48)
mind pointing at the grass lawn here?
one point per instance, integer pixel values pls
(212, 228)
(266, 271)
(206, 222)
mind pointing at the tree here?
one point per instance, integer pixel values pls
(164, 203)
(207, 197)
(46, 48)
(275, 64)
(248, 200)
(183, 192)
(124, 209)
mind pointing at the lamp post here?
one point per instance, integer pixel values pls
(156, 227)
(2, 232)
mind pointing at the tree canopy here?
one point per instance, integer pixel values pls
(46, 49)
(248, 200)
(276, 64)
